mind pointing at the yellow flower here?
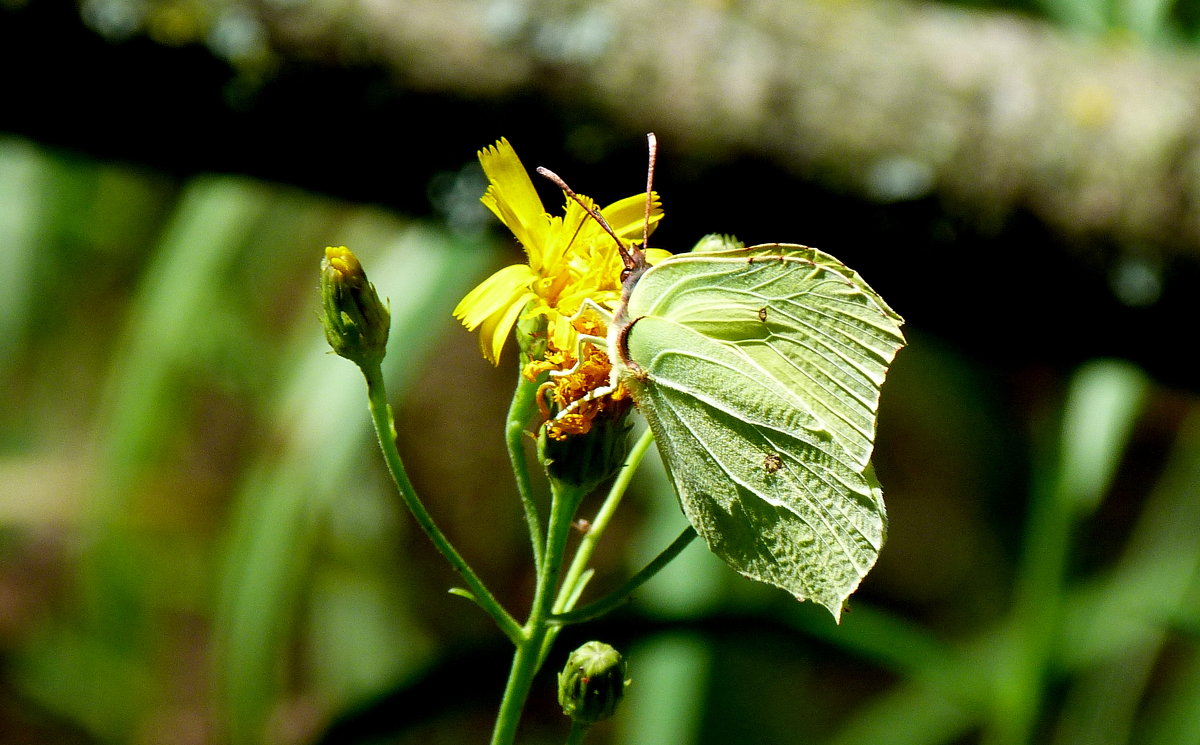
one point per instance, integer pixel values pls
(593, 372)
(571, 259)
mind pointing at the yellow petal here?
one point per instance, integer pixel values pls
(628, 216)
(495, 330)
(511, 195)
(563, 335)
(494, 295)
(655, 255)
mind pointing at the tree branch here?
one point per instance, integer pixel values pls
(893, 100)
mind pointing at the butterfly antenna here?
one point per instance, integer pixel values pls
(653, 144)
(595, 213)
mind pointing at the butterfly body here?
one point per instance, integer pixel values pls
(759, 370)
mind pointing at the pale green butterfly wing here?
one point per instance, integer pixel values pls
(759, 372)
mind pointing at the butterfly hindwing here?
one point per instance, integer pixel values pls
(759, 371)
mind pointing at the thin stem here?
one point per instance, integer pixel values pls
(578, 731)
(529, 656)
(540, 631)
(621, 594)
(516, 691)
(587, 545)
(385, 430)
(566, 501)
(519, 412)
(578, 574)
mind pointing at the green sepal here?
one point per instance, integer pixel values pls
(586, 460)
(532, 339)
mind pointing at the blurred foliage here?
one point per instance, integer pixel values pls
(200, 541)
(203, 444)
(198, 544)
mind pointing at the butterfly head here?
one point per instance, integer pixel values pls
(635, 265)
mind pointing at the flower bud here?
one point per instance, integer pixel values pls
(592, 683)
(717, 242)
(356, 321)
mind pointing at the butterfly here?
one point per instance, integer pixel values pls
(759, 371)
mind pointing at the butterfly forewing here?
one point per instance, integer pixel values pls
(799, 315)
(759, 371)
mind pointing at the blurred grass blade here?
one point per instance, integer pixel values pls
(1080, 16)
(22, 186)
(139, 415)
(917, 712)
(665, 702)
(1149, 19)
(209, 229)
(901, 647)
(1174, 717)
(997, 680)
(141, 405)
(1105, 399)
(1127, 615)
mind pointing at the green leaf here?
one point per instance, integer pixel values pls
(759, 371)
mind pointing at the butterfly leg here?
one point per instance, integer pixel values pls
(587, 306)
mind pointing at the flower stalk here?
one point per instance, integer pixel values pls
(580, 424)
(385, 430)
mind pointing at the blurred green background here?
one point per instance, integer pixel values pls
(198, 542)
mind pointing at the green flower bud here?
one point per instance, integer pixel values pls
(356, 321)
(592, 683)
(717, 242)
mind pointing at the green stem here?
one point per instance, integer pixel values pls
(577, 733)
(516, 691)
(537, 633)
(578, 573)
(620, 595)
(543, 626)
(587, 545)
(523, 401)
(385, 430)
